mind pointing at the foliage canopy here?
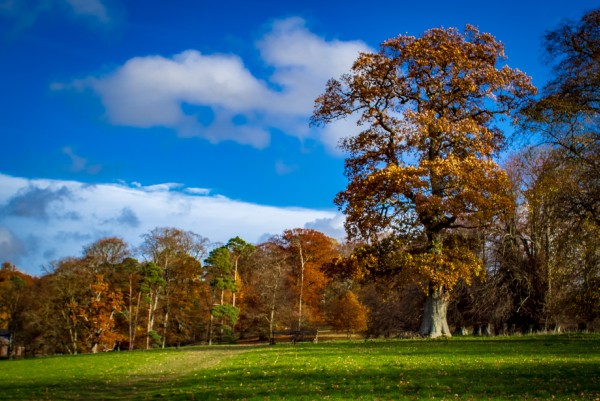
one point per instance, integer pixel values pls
(424, 164)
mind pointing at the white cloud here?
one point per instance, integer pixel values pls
(74, 214)
(304, 62)
(150, 91)
(10, 246)
(282, 168)
(79, 163)
(26, 13)
(198, 191)
(332, 226)
(90, 8)
(164, 187)
(215, 96)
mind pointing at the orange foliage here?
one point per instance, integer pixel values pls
(13, 287)
(99, 315)
(346, 313)
(308, 250)
(422, 169)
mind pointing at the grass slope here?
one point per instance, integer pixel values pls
(562, 367)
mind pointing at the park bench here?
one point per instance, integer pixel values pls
(296, 335)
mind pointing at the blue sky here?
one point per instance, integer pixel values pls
(120, 116)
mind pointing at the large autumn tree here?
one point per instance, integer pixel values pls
(422, 171)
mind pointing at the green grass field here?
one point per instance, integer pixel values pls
(564, 367)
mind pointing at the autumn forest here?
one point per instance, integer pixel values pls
(454, 225)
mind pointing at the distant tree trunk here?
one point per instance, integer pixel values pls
(462, 331)
(165, 327)
(210, 329)
(222, 319)
(151, 312)
(74, 340)
(167, 309)
(133, 323)
(71, 326)
(271, 324)
(235, 277)
(272, 313)
(302, 263)
(435, 323)
(149, 325)
(11, 342)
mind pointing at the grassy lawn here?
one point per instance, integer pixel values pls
(565, 367)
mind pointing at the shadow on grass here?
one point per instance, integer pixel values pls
(563, 381)
(514, 382)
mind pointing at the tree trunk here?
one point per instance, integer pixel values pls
(149, 324)
(131, 323)
(434, 323)
(235, 276)
(133, 328)
(165, 327)
(11, 341)
(72, 333)
(210, 329)
(301, 289)
(151, 312)
(222, 319)
(273, 305)
(75, 341)
(272, 325)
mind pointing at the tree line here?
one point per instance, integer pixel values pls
(442, 239)
(175, 292)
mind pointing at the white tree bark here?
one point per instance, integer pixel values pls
(435, 323)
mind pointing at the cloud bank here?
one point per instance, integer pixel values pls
(44, 220)
(217, 97)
